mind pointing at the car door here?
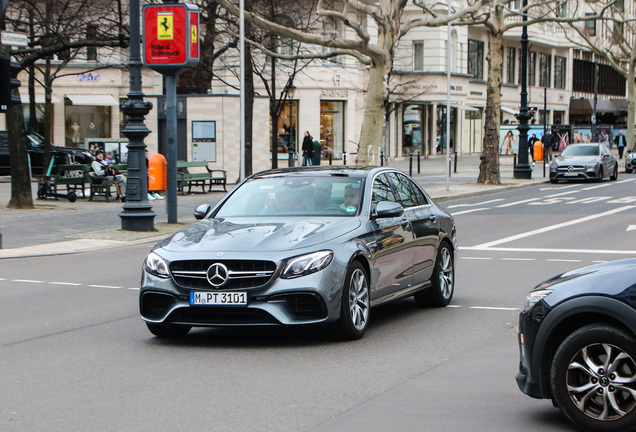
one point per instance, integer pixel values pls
(608, 160)
(389, 243)
(424, 225)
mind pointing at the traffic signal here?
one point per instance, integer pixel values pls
(8, 70)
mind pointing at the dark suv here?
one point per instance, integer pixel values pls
(35, 147)
(577, 336)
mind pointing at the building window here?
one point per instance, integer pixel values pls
(562, 8)
(619, 6)
(558, 117)
(331, 30)
(91, 34)
(332, 128)
(590, 25)
(412, 129)
(617, 32)
(418, 55)
(544, 70)
(287, 122)
(85, 121)
(559, 72)
(510, 65)
(476, 58)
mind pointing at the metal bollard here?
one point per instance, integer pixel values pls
(381, 158)
(330, 159)
(344, 158)
(411, 164)
(418, 161)
(455, 162)
(290, 159)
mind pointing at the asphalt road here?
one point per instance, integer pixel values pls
(75, 356)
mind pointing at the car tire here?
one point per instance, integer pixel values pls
(600, 175)
(553, 181)
(592, 376)
(614, 176)
(443, 280)
(628, 171)
(355, 306)
(168, 331)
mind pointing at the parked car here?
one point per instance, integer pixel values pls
(35, 148)
(577, 338)
(630, 160)
(302, 246)
(584, 162)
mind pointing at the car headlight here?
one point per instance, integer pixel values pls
(590, 166)
(307, 264)
(535, 297)
(630, 156)
(156, 266)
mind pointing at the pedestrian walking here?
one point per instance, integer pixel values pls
(620, 142)
(549, 141)
(308, 149)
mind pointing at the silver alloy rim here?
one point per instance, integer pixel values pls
(601, 381)
(446, 273)
(359, 299)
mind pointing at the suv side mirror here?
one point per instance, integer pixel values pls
(388, 209)
(201, 211)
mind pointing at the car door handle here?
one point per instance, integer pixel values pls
(432, 218)
(404, 223)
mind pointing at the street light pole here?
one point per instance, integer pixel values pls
(137, 213)
(523, 170)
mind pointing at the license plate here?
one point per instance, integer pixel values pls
(570, 174)
(219, 298)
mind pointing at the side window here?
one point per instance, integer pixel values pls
(382, 190)
(409, 194)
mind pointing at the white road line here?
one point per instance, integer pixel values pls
(476, 204)
(558, 188)
(27, 280)
(494, 308)
(543, 250)
(134, 289)
(475, 258)
(518, 259)
(599, 262)
(597, 186)
(561, 194)
(469, 211)
(563, 260)
(518, 202)
(66, 283)
(554, 227)
(104, 286)
(454, 306)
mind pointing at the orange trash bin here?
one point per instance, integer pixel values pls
(157, 173)
(537, 151)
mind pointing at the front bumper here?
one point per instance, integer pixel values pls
(580, 173)
(530, 375)
(310, 299)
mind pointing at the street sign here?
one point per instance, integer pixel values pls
(11, 38)
(171, 37)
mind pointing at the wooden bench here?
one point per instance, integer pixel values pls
(187, 176)
(73, 177)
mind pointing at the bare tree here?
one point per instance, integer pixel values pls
(62, 28)
(376, 52)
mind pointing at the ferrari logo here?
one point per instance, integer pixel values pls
(193, 34)
(165, 29)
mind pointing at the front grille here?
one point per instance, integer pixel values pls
(221, 316)
(242, 274)
(571, 168)
(304, 305)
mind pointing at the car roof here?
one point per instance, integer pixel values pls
(323, 171)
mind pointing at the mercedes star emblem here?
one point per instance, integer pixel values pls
(217, 274)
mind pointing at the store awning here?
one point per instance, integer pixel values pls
(94, 100)
(461, 107)
(620, 105)
(509, 110)
(580, 107)
(586, 106)
(39, 99)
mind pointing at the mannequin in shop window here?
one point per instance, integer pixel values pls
(75, 129)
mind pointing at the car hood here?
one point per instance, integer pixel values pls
(612, 278)
(258, 234)
(576, 160)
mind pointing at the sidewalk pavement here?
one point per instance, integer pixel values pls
(58, 226)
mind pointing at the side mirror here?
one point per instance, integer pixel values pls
(201, 211)
(388, 209)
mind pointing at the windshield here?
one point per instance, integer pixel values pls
(581, 150)
(294, 196)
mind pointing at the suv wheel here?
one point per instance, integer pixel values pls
(593, 378)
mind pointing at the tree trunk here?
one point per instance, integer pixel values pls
(489, 165)
(373, 122)
(21, 195)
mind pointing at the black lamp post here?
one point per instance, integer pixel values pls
(137, 214)
(523, 170)
(292, 131)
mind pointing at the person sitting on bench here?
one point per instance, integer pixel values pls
(101, 168)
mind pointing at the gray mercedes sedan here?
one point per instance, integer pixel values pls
(592, 161)
(302, 246)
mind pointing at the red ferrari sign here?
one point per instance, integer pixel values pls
(171, 37)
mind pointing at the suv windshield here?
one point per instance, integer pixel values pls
(294, 196)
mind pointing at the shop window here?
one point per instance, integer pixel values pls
(412, 130)
(287, 127)
(331, 128)
(86, 121)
